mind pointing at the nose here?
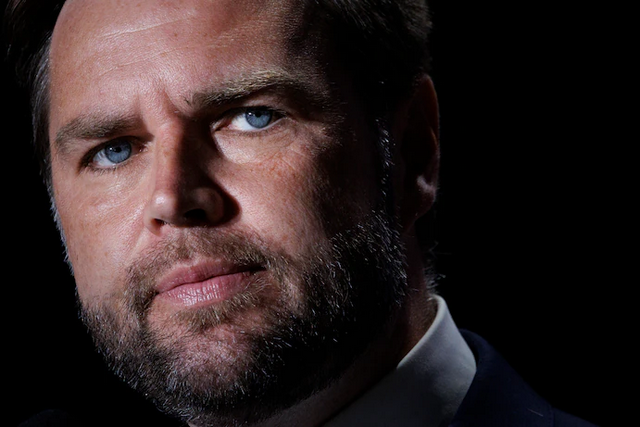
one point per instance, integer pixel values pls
(182, 191)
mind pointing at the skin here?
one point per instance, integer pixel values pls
(170, 78)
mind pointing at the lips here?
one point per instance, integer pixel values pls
(204, 283)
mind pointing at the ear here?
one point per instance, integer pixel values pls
(418, 153)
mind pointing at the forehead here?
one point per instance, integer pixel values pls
(130, 42)
(113, 21)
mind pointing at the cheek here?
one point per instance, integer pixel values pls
(294, 200)
(100, 232)
(279, 200)
(306, 194)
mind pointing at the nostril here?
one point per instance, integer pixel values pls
(196, 216)
(174, 206)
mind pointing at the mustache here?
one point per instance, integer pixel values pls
(142, 275)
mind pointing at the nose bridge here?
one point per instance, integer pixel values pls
(183, 192)
(174, 167)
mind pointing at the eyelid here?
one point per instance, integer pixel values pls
(230, 115)
(87, 161)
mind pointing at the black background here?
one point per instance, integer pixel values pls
(532, 234)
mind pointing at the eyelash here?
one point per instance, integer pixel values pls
(228, 118)
(87, 161)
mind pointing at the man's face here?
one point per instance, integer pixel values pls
(216, 185)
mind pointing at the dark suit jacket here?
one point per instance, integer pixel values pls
(499, 397)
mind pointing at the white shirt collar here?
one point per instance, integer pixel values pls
(425, 389)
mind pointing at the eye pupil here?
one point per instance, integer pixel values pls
(118, 152)
(259, 118)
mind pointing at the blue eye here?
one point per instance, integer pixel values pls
(253, 119)
(258, 118)
(112, 154)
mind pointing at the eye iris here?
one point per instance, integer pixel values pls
(259, 118)
(118, 152)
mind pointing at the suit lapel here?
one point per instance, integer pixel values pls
(498, 397)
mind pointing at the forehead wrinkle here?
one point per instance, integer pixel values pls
(127, 31)
(141, 59)
(110, 43)
(220, 41)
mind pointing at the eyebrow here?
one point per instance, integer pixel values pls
(93, 126)
(268, 80)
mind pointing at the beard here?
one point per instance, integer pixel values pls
(293, 331)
